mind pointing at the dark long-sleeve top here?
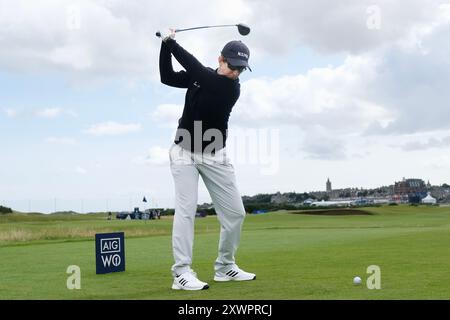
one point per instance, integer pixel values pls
(210, 97)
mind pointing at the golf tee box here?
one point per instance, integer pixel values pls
(110, 252)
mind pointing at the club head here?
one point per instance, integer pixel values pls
(243, 29)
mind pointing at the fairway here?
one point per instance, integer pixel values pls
(295, 256)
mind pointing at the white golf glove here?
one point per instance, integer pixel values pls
(167, 34)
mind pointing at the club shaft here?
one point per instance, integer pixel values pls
(204, 27)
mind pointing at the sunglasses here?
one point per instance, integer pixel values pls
(234, 68)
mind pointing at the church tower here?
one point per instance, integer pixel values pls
(328, 185)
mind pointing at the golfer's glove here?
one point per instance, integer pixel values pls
(167, 34)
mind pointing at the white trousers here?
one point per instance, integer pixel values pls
(218, 175)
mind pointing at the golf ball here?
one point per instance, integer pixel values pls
(356, 280)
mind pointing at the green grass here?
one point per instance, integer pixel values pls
(295, 256)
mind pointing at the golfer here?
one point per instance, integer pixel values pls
(199, 150)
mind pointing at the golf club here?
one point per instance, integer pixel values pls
(242, 28)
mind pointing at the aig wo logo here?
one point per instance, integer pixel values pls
(110, 253)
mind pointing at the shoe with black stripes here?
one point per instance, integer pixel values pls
(188, 281)
(234, 274)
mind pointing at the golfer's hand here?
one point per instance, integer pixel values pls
(167, 34)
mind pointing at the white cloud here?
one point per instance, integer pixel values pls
(60, 140)
(432, 141)
(392, 91)
(438, 163)
(315, 98)
(49, 113)
(325, 103)
(336, 26)
(412, 85)
(103, 38)
(72, 56)
(106, 38)
(324, 147)
(424, 145)
(71, 113)
(167, 115)
(10, 113)
(156, 156)
(46, 113)
(80, 170)
(113, 128)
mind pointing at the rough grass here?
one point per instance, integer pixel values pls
(21, 228)
(22, 235)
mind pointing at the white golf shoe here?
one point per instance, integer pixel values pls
(234, 274)
(188, 281)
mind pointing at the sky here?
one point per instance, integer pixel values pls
(353, 90)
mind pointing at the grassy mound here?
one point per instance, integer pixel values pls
(335, 212)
